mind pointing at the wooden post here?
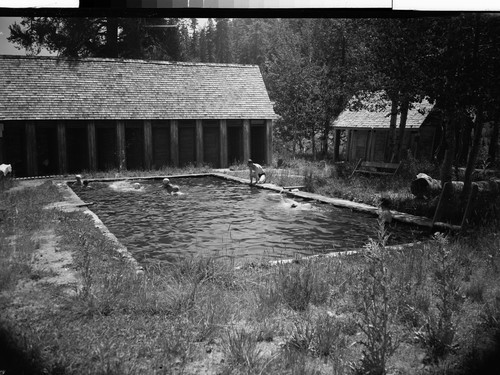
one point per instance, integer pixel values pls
(174, 142)
(32, 168)
(199, 142)
(61, 147)
(223, 143)
(470, 205)
(349, 141)
(246, 140)
(1, 143)
(269, 142)
(336, 145)
(371, 151)
(120, 141)
(367, 146)
(92, 145)
(148, 144)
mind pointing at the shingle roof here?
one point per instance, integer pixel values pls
(364, 119)
(43, 88)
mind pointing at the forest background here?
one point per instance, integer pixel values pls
(315, 68)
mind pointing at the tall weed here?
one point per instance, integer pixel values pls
(376, 313)
(438, 333)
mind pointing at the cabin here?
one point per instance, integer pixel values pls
(364, 134)
(60, 116)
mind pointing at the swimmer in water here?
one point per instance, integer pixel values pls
(171, 189)
(288, 201)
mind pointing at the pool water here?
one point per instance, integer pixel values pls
(225, 219)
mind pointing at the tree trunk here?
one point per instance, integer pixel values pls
(326, 133)
(392, 129)
(492, 150)
(449, 153)
(474, 152)
(402, 126)
(313, 144)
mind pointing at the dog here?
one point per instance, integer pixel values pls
(5, 169)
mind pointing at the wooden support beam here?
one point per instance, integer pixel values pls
(61, 147)
(199, 142)
(92, 145)
(246, 140)
(148, 144)
(371, 149)
(349, 146)
(367, 145)
(120, 142)
(269, 142)
(223, 143)
(174, 142)
(336, 145)
(31, 155)
(1, 144)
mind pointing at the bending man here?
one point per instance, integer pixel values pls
(256, 172)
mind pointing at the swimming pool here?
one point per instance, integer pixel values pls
(225, 219)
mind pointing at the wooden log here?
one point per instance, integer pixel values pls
(425, 186)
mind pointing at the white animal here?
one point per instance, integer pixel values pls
(5, 169)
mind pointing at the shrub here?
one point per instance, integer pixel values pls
(240, 348)
(297, 285)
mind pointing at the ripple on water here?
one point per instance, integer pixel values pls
(221, 218)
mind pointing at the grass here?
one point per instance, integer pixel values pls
(435, 308)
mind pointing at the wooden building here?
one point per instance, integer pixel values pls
(364, 134)
(61, 116)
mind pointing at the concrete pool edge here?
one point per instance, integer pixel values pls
(72, 202)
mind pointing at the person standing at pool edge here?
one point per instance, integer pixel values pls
(256, 172)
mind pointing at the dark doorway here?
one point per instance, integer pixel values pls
(134, 145)
(105, 134)
(258, 143)
(46, 148)
(211, 142)
(14, 142)
(234, 142)
(77, 146)
(187, 142)
(161, 144)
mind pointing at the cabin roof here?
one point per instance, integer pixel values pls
(364, 119)
(51, 88)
